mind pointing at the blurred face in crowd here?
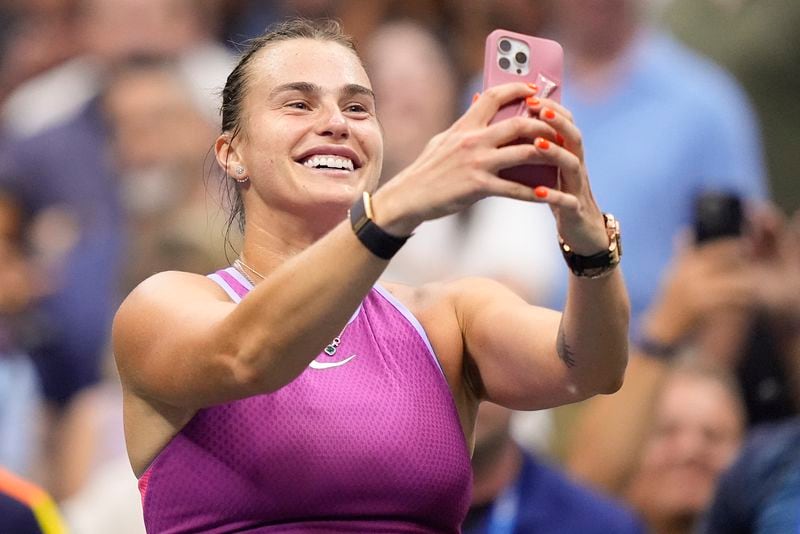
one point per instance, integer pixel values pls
(154, 118)
(697, 431)
(415, 84)
(160, 137)
(115, 29)
(597, 26)
(309, 132)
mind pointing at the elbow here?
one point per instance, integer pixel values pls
(245, 369)
(613, 385)
(616, 378)
(260, 372)
(246, 376)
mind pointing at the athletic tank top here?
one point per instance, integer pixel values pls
(365, 440)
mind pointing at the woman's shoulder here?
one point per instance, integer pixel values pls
(168, 284)
(165, 294)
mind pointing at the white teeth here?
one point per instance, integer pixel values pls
(331, 162)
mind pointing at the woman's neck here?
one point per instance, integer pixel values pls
(273, 238)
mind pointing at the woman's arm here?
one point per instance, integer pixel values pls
(528, 357)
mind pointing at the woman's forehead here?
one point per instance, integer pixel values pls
(326, 64)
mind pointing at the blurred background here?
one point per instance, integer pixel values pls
(108, 115)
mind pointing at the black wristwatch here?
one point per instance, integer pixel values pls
(599, 264)
(376, 239)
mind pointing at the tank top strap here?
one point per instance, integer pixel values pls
(232, 282)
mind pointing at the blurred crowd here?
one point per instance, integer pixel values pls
(108, 113)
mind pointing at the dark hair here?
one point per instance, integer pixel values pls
(236, 85)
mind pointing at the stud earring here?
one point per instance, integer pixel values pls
(239, 172)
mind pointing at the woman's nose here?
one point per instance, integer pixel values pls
(333, 123)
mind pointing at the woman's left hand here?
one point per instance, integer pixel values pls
(578, 218)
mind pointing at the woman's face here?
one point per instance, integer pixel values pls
(310, 136)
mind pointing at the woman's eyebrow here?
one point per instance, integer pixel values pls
(354, 89)
(302, 87)
(309, 88)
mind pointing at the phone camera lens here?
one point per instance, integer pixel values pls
(521, 58)
(504, 45)
(504, 63)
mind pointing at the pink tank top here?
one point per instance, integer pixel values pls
(365, 440)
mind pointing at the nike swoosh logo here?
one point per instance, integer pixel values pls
(327, 365)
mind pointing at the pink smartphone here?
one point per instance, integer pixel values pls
(516, 57)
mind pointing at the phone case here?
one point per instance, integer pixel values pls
(544, 67)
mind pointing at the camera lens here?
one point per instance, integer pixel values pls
(504, 63)
(521, 58)
(504, 45)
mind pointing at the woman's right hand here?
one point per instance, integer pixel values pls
(459, 166)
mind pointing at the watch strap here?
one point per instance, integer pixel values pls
(376, 239)
(599, 264)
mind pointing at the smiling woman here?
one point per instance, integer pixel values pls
(292, 391)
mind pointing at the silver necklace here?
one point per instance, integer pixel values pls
(240, 265)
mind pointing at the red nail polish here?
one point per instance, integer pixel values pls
(544, 144)
(560, 139)
(532, 101)
(550, 114)
(533, 86)
(540, 191)
(475, 97)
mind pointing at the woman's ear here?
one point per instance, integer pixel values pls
(227, 154)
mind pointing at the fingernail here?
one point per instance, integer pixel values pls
(560, 139)
(540, 191)
(544, 144)
(549, 114)
(532, 101)
(475, 97)
(533, 86)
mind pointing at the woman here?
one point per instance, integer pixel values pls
(293, 393)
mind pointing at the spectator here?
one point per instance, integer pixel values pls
(65, 177)
(695, 432)
(25, 508)
(710, 302)
(758, 42)
(160, 139)
(661, 124)
(109, 31)
(19, 386)
(515, 492)
(760, 493)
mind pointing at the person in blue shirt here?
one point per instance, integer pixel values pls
(660, 124)
(769, 468)
(515, 492)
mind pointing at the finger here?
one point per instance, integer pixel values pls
(511, 156)
(510, 130)
(536, 104)
(489, 103)
(567, 133)
(569, 163)
(556, 198)
(499, 187)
